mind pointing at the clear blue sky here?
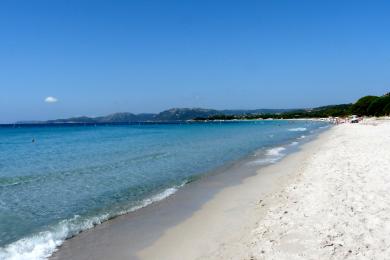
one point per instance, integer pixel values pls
(98, 57)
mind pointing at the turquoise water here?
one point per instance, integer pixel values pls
(74, 177)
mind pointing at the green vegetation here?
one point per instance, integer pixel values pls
(386, 110)
(372, 106)
(334, 110)
(377, 107)
(365, 106)
(361, 106)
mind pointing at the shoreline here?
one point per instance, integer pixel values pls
(228, 218)
(125, 234)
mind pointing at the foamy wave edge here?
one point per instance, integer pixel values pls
(42, 245)
(276, 151)
(272, 155)
(298, 129)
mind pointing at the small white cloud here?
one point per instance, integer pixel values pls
(51, 100)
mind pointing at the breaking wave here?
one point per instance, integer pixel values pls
(42, 245)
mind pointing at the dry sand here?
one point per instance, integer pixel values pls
(331, 200)
(339, 205)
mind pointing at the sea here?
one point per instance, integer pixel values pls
(59, 180)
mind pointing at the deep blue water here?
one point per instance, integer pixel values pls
(73, 177)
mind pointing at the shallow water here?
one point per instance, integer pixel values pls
(74, 177)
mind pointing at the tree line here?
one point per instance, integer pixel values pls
(372, 106)
(365, 106)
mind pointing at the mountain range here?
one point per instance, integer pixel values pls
(170, 115)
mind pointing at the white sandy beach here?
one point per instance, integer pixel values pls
(329, 201)
(339, 204)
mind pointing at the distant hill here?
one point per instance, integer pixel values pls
(318, 112)
(180, 114)
(170, 115)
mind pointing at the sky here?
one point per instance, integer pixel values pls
(67, 58)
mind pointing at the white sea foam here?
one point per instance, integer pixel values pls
(158, 197)
(302, 137)
(275, 151)
(294, 143)
(298, 129)
(271, 156)
(42, 245)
